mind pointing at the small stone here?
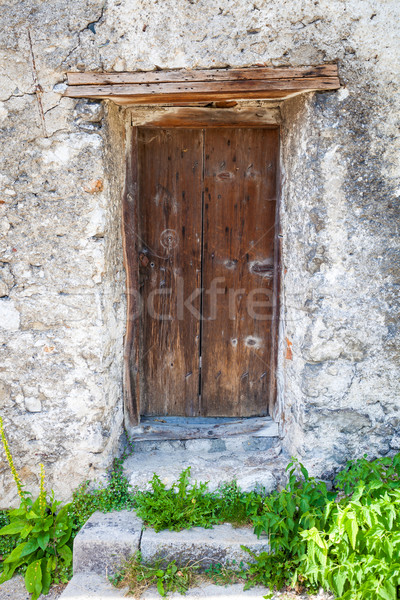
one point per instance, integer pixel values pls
(89, 111)
(33, 404)
(60, 88)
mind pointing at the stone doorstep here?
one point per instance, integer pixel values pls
(244, 443)
(107, 540)
(251, 470)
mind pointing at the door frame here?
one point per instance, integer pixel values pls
(190, 118)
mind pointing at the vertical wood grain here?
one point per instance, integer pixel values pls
(238, 259)
(170, 183)
(129, 242)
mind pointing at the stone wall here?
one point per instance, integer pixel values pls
(62, 305)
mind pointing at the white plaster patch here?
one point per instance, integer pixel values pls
(60, 154)
(7, 87)
(9, 316)
(342, 94)
(97, 223)
(68, 146)
(3, 113)
(4, 226)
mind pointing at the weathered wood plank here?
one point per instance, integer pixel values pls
(198, 100)
(206, 117)
(330, 70)
(163, 429)
(129, 243)
(238, 270)
(199, 90)
(170, 184)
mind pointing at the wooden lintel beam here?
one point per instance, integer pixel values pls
(183, 75)
(172, 92)
(174, 87)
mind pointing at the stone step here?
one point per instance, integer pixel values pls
(203, 547)
(251, 470)
(107, 540)
(229, 592)
(91, 586)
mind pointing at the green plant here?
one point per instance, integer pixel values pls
(187, 504)
(378, 476)
(225, 574)
(44, 531)
(168, 578)
(7, 543)
(232, 505)
(300, 505)
(184, 505)
(357, 555)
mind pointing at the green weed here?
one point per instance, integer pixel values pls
(7, 543)
(170, 578)
(298, 506)
(226, 574)
(188, 504)
(44, 532)
(377, 476)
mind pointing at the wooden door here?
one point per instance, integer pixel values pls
(238, 256)
(207, 228)
(170, 221)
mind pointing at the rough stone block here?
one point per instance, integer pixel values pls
(222, 544)
(106, 541)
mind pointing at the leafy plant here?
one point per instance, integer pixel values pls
(169, 578)
(378, 476)
(187, 504)
(225, 574)
(232, 505)
(184, 505)
(358, 555)
(7, 543)
(300, 505)
(44, 531)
